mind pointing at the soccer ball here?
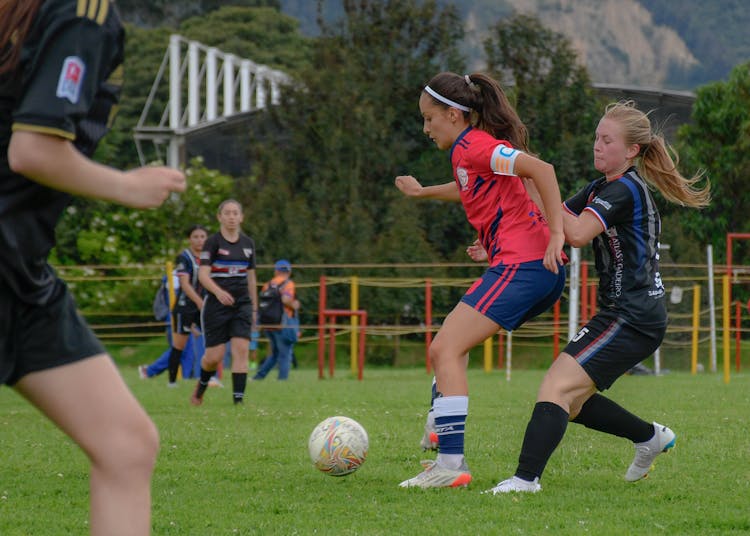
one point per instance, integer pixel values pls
(338, 446)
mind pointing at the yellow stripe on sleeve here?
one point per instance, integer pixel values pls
(103, 10)
(81, 9)
(44, 130)
(93, 8)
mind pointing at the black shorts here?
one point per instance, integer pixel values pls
(41, 337)
(222, 322)
(609, 346)
(183, 318)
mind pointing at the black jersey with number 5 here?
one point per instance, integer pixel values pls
(66, 84)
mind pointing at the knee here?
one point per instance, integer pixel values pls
(131, 448)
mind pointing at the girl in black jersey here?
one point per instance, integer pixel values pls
(618, 213)
(60, 72)
(189, 299)
(227, 273)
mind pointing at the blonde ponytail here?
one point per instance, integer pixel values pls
(658, 160)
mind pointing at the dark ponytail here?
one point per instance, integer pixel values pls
(490, 109)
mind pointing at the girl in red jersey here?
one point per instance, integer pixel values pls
(471, 117)
(60, 74)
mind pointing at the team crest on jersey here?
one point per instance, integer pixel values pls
(71, 79)
(463, 177)
(247, 251)
(223, 251)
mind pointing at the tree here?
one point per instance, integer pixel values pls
(350, 124)
(718, 142)
(552, 92)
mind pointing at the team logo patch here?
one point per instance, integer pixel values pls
(223, 251)
(71, 79)
(463, 177)
(247, 251)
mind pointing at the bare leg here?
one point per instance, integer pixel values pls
(462, 329)
(89, 401)
(240, 348)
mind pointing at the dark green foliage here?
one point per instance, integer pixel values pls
(552, 93)
(718, 142)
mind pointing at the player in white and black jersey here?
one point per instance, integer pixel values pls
(227, 273)
(618, 213)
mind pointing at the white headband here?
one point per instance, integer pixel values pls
(445, 100)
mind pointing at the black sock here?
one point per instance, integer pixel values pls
(239, 381)
(174, 364)
(543, 433)
(203, 382)
(603, 415)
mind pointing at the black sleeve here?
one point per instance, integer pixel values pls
(66, 76)
(209, 250)
(613, 204)
(578, 202)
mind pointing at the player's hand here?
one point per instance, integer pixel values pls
(149, 186)
(553, 255)
(477, 252)
(408, 185)
(224, 297)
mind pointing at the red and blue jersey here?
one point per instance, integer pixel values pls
(510, 226)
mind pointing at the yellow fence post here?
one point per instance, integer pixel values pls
(488, 354)
(696, 328)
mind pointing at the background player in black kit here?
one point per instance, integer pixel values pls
(227, 273)
(60, 74)
(618, 213)
(189, 299)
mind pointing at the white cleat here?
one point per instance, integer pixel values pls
(439, 476)
(645, 453)
(516, 485)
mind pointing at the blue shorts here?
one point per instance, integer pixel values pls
(511, 294)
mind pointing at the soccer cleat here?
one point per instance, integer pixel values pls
(143, 372)
(172, 385)
(439, 476)
(429, 439)
(196, 399)
(517, 485)
(214, 382)
(646, 452)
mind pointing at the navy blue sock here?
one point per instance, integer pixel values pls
(544, 432)
(603, 415)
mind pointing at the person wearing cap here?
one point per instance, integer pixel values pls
(281, 349)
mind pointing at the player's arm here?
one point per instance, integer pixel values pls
(56, 163)
(545, 182)
(252, 287)
(189, 291)
(413, 188)
(580, 230)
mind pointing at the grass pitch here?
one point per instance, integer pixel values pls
(224, 470)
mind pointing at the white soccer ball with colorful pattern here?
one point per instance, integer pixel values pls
(338, 446)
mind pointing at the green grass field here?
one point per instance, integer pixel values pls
(227, 470)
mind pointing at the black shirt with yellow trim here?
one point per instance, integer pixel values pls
(67, 84)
